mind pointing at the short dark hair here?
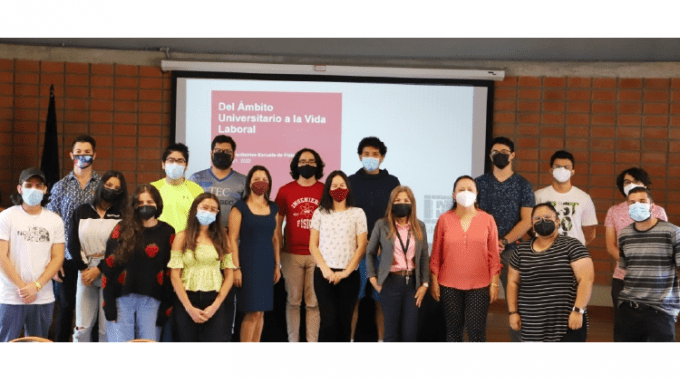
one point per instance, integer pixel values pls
(326, 203)
(220, 139)
(639, 174)
(294, 171)
(544, 204)
(640, 189)
(562, 154)
(84, 139)
(247, 191)
(503, 140)
(121, 202)
(372, 142)
(176, 147)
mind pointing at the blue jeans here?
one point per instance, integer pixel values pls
(137, 315)
(400, 310)
(34, 319)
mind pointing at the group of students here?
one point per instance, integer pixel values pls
(177, 259)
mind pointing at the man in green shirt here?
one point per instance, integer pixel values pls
(177, 192)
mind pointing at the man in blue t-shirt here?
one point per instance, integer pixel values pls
(228, 185)
(509, 198)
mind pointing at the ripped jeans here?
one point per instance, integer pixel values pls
(88, 306)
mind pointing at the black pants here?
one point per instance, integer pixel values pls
(637, 322)
(336, 305)
(66, 301)
(229, 305)
(398, 302)
(213, 330)
(465, 308)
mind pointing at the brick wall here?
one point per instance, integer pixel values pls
(609, 124)
(125, 108)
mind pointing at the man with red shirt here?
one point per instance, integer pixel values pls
(297, 201)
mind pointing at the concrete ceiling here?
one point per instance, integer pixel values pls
(492, 49)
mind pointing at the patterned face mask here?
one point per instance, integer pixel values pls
(339, 194)
(82, 161)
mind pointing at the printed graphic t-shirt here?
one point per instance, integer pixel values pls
(228, 190)
(30, 240)
(574, 208)
(298, 203)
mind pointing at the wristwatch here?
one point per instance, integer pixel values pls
(425, 284)
(504, 241)
(578, 310)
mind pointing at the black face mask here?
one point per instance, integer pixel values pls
(110, 195)
(146, 212)
(500, 160)
(222, 160)
(544, 227)
(401, 210)
(307, 171)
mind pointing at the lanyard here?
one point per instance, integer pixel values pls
(401, 242)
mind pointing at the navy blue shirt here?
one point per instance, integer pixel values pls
(504, 200)
(372, 193)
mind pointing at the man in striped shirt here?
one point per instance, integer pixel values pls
(650, 252)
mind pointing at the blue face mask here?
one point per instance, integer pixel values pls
(83, 161)
(206, 218)
(370, 163)
(640, 211)
(174, 171)
(32, 197)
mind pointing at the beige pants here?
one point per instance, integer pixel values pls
(298, 272)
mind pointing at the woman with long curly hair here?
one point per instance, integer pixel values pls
(137, 291)
(202, 274)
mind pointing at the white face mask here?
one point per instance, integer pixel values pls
(466, 198)
(629, 187)
(561, 175)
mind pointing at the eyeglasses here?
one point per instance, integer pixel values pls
(504, 151)
(537, 219)
(228, 151)
(568, 167)
(307, 162)
(180, 161)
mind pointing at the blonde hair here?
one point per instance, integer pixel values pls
(412, 220)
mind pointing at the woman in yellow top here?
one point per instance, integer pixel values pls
(202, 274)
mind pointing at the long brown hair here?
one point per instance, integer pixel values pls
(412, 219)
(132, 227)
(216, 232)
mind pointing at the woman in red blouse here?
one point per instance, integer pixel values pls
(465, 265)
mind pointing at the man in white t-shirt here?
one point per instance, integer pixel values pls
(575, 208)
(31, 253)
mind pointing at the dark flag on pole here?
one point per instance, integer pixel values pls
(50, 158)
